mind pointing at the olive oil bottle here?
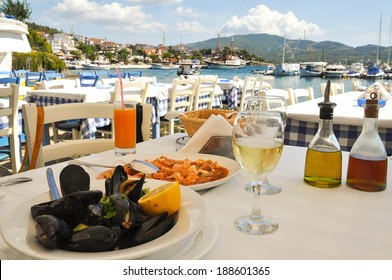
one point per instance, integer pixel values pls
(323, 165)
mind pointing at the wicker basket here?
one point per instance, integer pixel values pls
(193, 120)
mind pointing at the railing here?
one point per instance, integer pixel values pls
(13, 25)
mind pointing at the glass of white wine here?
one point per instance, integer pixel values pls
(267, 103)
(257, 145)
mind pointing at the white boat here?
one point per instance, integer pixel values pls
(164, 66)
(232, 62)
(286, 69)
(334, 71)
(13, 38)
(188, 67)
(312, 69)
(356, 70)
(94, 66)
(269, 71)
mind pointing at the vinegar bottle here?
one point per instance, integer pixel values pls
(367, 164)
(323, 165)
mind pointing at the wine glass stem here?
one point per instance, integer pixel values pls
(256, 212)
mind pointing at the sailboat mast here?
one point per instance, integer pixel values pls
(284, 48)
(379, 43)
(389, 44)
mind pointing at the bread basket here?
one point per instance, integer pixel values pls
(193, 120)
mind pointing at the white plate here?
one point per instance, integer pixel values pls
(18, 230)
(191, 248)
(230, 164)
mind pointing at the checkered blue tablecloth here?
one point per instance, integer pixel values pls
(88, 126)
(300, 133)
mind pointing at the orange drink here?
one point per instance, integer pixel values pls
(125, 128)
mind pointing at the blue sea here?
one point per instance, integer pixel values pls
(166, 76)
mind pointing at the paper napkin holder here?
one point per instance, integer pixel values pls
(220, 146)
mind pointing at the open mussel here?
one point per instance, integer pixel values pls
(133, 189)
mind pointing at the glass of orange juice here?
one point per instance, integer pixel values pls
(124, 128)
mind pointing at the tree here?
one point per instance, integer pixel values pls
(21, 10)
(123, 55)
(37, 42)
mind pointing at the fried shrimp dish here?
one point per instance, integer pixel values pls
(185, 171)
(188, 172)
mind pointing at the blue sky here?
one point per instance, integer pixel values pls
(352, 22)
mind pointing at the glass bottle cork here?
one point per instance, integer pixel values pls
(323, 165)
(367, 165)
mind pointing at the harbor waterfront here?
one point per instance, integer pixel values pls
(281, 82)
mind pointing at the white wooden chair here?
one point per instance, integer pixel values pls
(300, 93)
(54, 84)
(181, 99)
(61, 112)
(336, 88)
(205, 91)
(248, 89)
(11, 113)
(133, 90)
(265, 82)
(278, 92)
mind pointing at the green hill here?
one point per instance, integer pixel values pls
(271, 48)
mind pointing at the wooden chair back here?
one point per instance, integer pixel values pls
(63, 112)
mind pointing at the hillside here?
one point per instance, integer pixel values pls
(270, 47)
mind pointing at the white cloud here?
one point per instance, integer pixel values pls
(190, 26)
(112, 16)
(263, 20)
(152, 2)
(181, 11)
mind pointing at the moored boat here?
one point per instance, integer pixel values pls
(356, 70)
(94, 66)
(164, 66)
(374, 72)
(334, 71)
(312, 69)
(287, 69)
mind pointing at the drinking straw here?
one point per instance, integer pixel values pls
(121, 88)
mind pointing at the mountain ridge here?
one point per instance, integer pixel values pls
(270, 47)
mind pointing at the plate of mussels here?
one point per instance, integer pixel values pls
(43, 228)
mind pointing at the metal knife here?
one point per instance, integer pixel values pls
(52, 184)
(15, 181)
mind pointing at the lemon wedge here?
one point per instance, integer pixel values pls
(165, 198)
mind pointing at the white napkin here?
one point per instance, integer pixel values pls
(216, 125)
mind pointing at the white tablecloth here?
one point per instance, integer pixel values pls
(314, 223)
(346, 112)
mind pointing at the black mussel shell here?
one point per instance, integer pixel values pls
(88, 197)
(92, 239)
(118, 177)
(94, 215)
(70, 209)
(74, 178)
(51, 231)
(133, 188)
(156, 231)
(150, 223)
(43, 208)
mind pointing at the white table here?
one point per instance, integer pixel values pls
(339, 223)
(303, 118)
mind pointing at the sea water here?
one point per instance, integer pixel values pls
(166, 76)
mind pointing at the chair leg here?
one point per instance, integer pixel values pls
(75, 134)
(55, 133)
